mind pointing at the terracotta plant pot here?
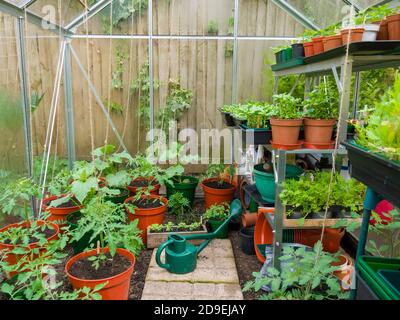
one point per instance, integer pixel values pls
(394, 27)
(345, 271)
(352, 35)
(58, 214)
(332, 42)
(383, 33)
(12, 258)
(155, 191)
(286, 132)
(148, 216)
(318, 131)
(249, 219)
(308, 49)
(216, 196)
(331, 240)
(318, 44)
(117, 287)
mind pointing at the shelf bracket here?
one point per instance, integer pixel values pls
(337, 79)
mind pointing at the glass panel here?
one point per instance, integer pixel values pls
(264, 18)
(255, 77)
(60, 12)
(12, 143)
(322, 12)
(126, 19)
(115, 87)
(193, 17)
(194, 77)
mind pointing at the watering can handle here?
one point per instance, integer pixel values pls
(160, 249)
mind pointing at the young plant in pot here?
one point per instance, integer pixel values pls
(26, 238)
(308, 43)
(146, 209)
(36, 278)
(111, 171)
(112, 261)
(286, 121)
(218, 189)
(216, 216)
(304, 275)
(320, 117)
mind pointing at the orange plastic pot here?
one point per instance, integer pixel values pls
(12, 258)
(286, 132)
(383, 33)
(117, 287)
(155, 191)
(148, 216)
(214, 196)
(262, 233)
(332, 42)
(58, 214)
(331, 240)
(352, 35)
(394, 27)
(318, 131)
(318, 45)
(249, 219)
(308, 49)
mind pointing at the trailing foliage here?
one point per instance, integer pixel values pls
(382, 132)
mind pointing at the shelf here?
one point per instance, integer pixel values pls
(308, 223)
(363, 55)
(341, 151)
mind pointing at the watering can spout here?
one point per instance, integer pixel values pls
(236, 209)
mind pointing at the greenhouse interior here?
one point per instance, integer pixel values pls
(200, 150)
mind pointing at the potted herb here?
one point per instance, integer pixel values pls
(216, 215)
(216, 188)
(308, 197)
(226, 110)
(320, 114)
(112, 262)
(286, 120)
(186, 185)
(28, 237)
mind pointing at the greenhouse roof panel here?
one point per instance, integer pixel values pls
(20, 3)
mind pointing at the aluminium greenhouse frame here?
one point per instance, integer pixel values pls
(67, 34)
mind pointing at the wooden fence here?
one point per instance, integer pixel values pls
(203, 66)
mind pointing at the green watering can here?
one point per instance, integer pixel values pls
(181, 255)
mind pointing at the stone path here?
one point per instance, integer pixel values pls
(215, 277)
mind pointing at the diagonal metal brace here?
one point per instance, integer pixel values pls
(98, 99)
(337, 79)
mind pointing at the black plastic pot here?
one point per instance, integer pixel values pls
(247, 241)
(297, 50)
(239, 122)
(278, 57)
(375, 171)
(228, 119)
(255, 136)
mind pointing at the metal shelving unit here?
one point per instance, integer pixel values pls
(361, 56)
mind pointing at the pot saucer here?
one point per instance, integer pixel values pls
(320, 146)
(287, 147)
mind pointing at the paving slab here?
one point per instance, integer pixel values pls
(215, 277)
